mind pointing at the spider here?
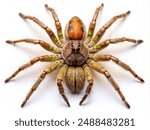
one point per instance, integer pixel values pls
(75, 55)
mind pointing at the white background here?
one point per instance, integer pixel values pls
(46, 103)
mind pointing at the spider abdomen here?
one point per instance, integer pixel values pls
(75, 79)
(75, 29)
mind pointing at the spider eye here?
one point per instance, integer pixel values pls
(78, 49)
(73, 49)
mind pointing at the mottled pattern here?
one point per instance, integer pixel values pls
(75, 79)
(75, 29)
(75, 53)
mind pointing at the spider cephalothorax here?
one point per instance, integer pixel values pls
(76, 55)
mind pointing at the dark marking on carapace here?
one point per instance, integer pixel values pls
(75, 29)
(75, 48)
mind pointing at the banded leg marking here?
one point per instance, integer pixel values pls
(46, 28)
(100, 69)
(102, 31)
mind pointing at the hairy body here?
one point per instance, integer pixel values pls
(77, 56)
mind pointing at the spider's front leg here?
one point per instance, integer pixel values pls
(104, 44)
(46, 28)
(100, 69)
(89, 77)
(101, 32)
(93, 24)
(60, 78)
(108, 57)
(48, 70)
(57, 23)
(45, 58)
(43, 44)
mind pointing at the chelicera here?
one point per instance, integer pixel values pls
(75, 55)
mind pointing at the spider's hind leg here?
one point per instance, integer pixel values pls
(100, 69)
(48, 70)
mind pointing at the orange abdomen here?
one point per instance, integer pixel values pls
(75, 29)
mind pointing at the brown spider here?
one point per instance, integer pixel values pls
(76, 56)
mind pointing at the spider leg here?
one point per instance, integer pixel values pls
(89, 77)
(60, 78)
(108, 57)
(101, 31)
(104, 44)
(48, 70)
(42, 25)
(57, 23)
(45, 58)
(93, 24)
(39, 42)
(100, 69)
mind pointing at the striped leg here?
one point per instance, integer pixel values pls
(104, 44)
(89, 77)
(101, 32)
(93, 24)
(38, 42)
(46, 58)
(100, 69)
(42, 25)
(60, 78)
(57, 23)
(48, 70)
(107, 57)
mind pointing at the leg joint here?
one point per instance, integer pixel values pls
(34, 60)
(93, 23)
(49, 31)
(59, 82)
(116, 60)
(107, 74)
(90, 82)
(107, 42)
(43, 74)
